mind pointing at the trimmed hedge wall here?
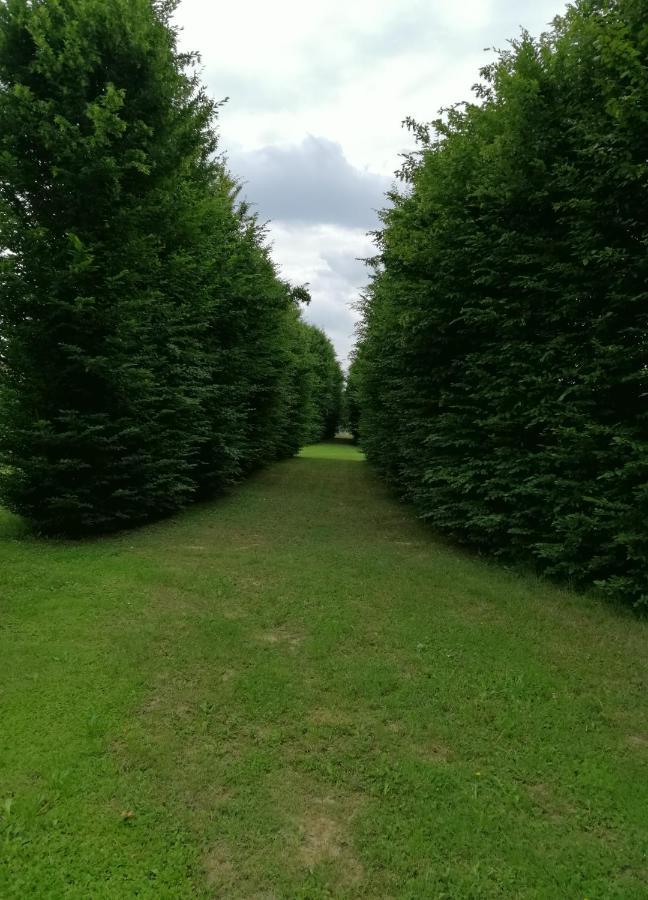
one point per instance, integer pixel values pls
(149, 353)
(503, 353)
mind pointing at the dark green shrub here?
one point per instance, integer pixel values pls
(351, 400)
(504, 339)
(326, 383)
(148, 352)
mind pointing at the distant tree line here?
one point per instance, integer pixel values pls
(502, 366)
(351, 402)
(149, 352)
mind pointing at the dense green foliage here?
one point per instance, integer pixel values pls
(352, 400)
(327, 382)
(149, 351)
(504, 346)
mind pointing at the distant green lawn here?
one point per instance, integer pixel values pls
(333, 450)
(297, 693)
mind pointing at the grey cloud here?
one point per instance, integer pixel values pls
(350, 269)
(309, 183)
(334, 317)
(335, 292)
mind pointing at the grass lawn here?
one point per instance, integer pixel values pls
(297, 693)
(333, 450)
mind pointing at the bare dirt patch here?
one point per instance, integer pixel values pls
(166, 601)
(227, 878)
(332, 718)
(323, 838)
(281, 637)
(151, 705)
(435, 752)
(219, 869)
(319, 830)
(552, 806)
(638, 742)
(233, 613)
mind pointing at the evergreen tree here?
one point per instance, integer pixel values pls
(105, 153)
(351, 403)
(327, 382)
(503, 346)
(149, 350)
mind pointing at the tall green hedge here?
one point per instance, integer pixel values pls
(352, 402)
(326, 384)
(148, 351)
(504, 348)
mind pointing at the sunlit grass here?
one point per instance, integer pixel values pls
(333, 450)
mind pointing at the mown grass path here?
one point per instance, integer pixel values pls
(296, 692)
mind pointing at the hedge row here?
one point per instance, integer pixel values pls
(503, 359)
(149, 353)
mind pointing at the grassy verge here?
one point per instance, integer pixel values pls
(297, 693)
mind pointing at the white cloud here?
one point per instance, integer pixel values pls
(328, 257)
(346, 73)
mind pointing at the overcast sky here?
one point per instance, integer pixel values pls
(318, 90)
